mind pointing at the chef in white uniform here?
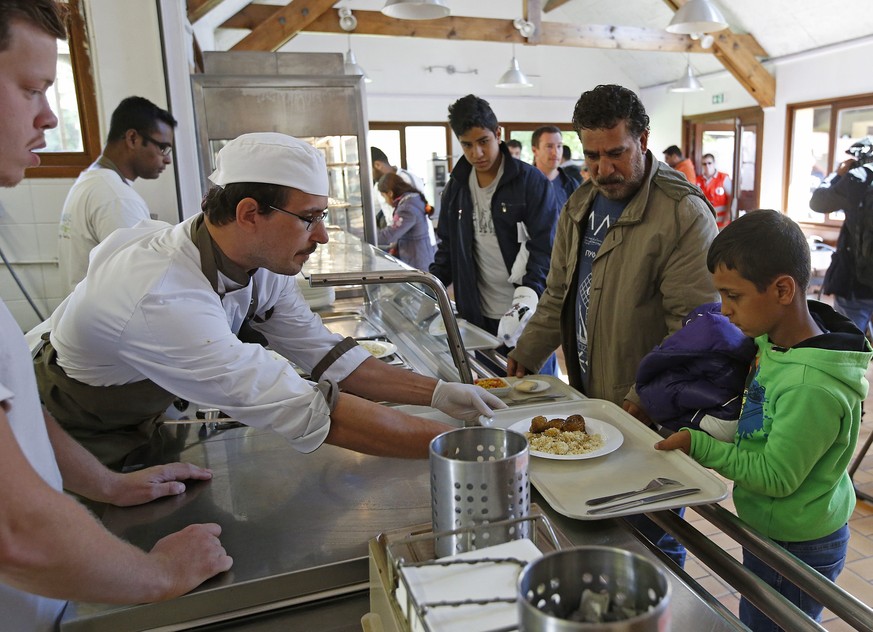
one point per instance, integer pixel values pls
(175, 311)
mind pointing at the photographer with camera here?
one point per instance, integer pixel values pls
(850, 276)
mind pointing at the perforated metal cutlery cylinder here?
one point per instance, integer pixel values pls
(632, 591)
(478, 476)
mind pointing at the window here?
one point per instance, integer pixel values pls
(522, 132)
(75, 143)
(819, 134)
(414, 146)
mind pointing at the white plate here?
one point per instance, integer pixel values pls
(437, 327)
(539, 388)
(612, 439)
(378, 348)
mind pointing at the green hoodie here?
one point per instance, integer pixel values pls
(797, 433)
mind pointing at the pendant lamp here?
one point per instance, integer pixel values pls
(514, 77)
(687, 82)
(697, 16)
(351, 66)
(416, 9)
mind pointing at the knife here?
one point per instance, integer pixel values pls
(676, 493)
(532, 399)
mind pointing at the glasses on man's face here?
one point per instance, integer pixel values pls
(311, 221)
(164, 148)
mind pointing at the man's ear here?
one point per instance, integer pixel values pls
(644, 141)
(786, 288)
(130, 137)
(247, 213)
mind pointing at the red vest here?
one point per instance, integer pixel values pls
(715, 192)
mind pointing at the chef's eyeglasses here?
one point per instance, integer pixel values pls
(311, 222)
(164, 148)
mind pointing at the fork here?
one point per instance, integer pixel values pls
(655, 483)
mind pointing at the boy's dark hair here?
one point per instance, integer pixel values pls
(136, 113)
(761, 245)
(606, 105)
(378, 154)
(672, 150)
(538, 132)
(46, 15)
(566, 153)
(469, 112)
(219, 204)
(514, 143)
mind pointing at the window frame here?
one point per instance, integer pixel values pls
(71, 164)
(836, 105)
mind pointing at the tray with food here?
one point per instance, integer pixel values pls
(608, 465)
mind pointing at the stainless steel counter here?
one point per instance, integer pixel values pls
(297, 527)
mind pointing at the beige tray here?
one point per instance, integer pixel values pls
(566, 485)
(558, 391)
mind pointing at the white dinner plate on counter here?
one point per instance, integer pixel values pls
(612, 440)
(378, 348)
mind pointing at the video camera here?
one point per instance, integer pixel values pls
(862, 151)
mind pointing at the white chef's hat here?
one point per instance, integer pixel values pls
(272, 158)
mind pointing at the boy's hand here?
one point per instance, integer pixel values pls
(637, 411)
(677, 441)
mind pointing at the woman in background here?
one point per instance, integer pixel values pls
(410, 228)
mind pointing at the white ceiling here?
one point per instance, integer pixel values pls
(782, 27)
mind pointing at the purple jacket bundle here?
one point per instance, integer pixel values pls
(699, 372)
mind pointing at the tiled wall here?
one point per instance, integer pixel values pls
(29, 215)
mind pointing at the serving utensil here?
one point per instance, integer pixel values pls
(652, 485)
(676, 493)
(514, 400)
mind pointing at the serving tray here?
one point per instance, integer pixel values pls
(566, 485)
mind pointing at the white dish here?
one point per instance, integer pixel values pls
(612, 440)
(378, 348)
(539, 387)
(437, 327)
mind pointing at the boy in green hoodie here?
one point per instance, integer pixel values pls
(802, 404)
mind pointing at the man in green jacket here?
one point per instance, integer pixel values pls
(629, 260)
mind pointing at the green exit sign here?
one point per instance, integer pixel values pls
(718, 98)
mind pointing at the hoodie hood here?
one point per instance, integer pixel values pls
(842, 352)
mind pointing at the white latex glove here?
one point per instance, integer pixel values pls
(464, 401)
(524, 304)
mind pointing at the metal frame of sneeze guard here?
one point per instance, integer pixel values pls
(453, 334)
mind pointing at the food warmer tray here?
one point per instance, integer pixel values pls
(567, 484)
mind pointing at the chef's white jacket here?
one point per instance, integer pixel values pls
(147, 311)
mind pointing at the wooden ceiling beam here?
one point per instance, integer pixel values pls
(484, 29)
(283, 24)
(741, 61)
(533, 13)
(196, 9)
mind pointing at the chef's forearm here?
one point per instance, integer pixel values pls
(361, 425)
(378, 381)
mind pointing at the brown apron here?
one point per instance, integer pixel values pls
(112, 421)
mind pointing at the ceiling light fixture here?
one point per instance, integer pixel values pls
(524, 27)
(416, 9)
(451, 70)
(687, 82)
(697, 16)
(514, 77)
(347, 21)
(351, 66)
